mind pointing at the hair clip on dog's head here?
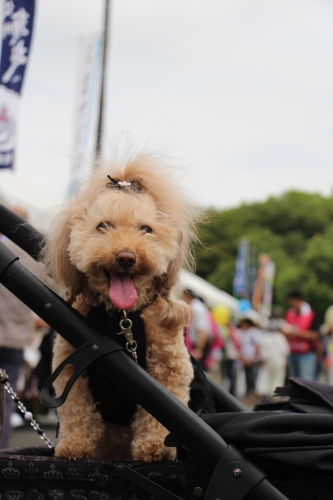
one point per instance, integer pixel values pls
(134, 185)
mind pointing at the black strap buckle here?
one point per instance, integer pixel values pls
(79, 360)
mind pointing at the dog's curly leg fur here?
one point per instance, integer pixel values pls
(81, 426)
(168, 362)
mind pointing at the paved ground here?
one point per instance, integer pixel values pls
(25, 435)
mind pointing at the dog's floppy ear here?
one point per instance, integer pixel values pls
(173, 270)
(57, 259)
(169, 279)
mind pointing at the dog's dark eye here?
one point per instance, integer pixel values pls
(104, 225)
(146, 229)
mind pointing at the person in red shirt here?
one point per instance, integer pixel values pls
(301, 332)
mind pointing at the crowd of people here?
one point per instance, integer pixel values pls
(252, 357)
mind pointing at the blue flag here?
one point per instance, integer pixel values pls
(17, 26)
(240, 284)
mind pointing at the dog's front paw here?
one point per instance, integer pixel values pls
(72, 452)
(152, 452)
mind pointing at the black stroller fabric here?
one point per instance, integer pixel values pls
(305, 396)
(294, 444)
(34, 473)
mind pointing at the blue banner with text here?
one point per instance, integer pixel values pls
(18, 17)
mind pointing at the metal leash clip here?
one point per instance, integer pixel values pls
(126, 329)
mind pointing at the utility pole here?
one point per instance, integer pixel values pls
(98, 147)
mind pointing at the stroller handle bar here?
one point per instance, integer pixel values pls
(21, 232)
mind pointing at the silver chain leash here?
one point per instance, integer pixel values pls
(131, 344)
(27, 415)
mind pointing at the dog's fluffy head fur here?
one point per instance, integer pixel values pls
(82, 254)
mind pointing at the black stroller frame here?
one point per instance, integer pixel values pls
(233, 475)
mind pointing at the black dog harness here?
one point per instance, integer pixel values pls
(114, 404)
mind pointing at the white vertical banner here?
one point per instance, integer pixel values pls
(267, 293)
(86, 110)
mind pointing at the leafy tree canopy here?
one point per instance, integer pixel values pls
(296, 229)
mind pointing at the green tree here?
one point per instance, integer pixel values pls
(296, 229)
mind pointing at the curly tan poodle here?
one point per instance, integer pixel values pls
(119, 245)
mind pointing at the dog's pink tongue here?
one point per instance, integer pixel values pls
(122, 291)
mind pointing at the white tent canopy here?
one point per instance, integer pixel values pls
(214, 296)
(211, 295)
(15, 190)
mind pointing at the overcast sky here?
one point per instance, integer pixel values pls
(240, 90)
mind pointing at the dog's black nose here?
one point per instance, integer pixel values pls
(126, 259)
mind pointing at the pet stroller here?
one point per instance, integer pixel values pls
(277, 455)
